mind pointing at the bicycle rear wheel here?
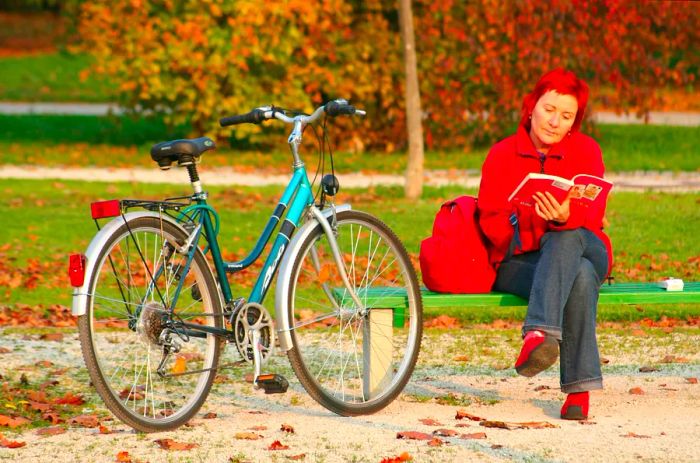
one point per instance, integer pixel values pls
(354, 359)
(152, 373)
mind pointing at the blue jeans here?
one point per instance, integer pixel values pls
(561, 282)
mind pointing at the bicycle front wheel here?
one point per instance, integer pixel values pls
(151, 370)
(354, 355)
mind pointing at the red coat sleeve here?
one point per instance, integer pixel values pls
(494, 209)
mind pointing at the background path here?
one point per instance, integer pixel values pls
(691, 119)
(626, 181)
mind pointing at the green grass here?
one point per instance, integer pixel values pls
(122, 141)
(654, 235)
(50, 77)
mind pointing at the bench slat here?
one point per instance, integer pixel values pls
(617, 293)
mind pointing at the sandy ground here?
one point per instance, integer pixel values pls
(661, 425)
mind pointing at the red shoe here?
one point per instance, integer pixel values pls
(538, 353)
(576, 406)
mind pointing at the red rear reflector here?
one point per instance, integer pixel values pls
(102, 209)
(76, 269)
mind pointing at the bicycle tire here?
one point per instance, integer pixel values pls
(326, 339)
(121, 359)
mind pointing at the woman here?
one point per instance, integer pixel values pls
(555, 254)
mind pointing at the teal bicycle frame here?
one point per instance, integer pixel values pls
(296, 198)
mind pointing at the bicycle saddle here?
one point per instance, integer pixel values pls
(184, 152)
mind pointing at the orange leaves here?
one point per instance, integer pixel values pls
(170, 444)
(277, 445)
(13, 421)
(442, 322)
(180, 365)
(398, 459)
(10, 444)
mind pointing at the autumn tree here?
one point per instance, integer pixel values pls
(197, 60)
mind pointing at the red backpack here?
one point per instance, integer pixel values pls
(454, 259)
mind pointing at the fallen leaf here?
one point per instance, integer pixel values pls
(430, 422)
(105, 430)
(648, 369)
(70, 399)
(11, 444)
(51, 431)
(398, 459)
(635, 435)
(258, 428)
(287, 428)
(247, 436)
(442, 321)
(301, 456)
(542, 387)
(277, 445)
(13, 422)
(51, 337)
(169, 444)
(52, 417)
(435, 442)
(461, 414)
(86, 421)
(510, 425)
(674, 359)
(691, 380)
(123, 457)
(39, 406)
(4, 350)
(180, 365)
(445, 432)
(209, 416)
(636, 391)
(473, 435)
(461, 358)
(44, 363)
(415, 435)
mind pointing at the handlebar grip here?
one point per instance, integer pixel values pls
(335, 108)
(255, 116)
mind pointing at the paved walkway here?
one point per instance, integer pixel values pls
(691, 119)
(628, 181)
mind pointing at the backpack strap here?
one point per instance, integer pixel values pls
(515, 241)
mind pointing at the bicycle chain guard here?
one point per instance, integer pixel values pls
(254, 316)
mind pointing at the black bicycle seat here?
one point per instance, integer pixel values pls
(184, 152)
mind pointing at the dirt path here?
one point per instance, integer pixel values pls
(465, 369)
(627, 181)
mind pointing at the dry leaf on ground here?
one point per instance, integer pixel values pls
(415, 435)
(169, 444)
(277, 445)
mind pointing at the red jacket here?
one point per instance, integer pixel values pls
(505, 167)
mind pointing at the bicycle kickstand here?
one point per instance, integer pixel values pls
(271, 383)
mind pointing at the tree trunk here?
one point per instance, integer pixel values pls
(414, 125)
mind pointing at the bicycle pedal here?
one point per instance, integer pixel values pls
(272, 383)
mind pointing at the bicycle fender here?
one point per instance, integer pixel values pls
(80, 295)
(282, 317)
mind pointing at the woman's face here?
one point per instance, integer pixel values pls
(552, 118)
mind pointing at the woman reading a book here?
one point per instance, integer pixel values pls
(551, 251)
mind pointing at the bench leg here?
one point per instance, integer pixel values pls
(377, 350)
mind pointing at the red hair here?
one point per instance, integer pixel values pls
(563, 82)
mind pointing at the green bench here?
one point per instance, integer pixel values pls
(616, 293)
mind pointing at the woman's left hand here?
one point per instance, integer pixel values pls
(547, 207)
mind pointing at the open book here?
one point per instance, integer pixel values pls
(587, 189)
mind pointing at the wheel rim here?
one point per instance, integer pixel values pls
(127, 319)
(354, 355)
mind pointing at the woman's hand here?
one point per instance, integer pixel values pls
(547, 207)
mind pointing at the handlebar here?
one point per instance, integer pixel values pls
(258, 115)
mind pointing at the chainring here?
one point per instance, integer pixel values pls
(253, 316)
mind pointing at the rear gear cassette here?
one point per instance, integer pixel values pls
(254, 316)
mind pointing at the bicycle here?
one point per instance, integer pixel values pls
(153, 315)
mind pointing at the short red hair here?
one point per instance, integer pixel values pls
(563, 82)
